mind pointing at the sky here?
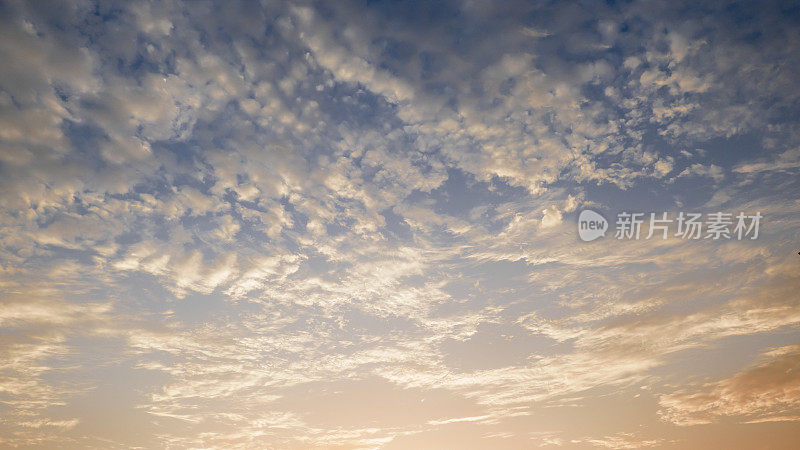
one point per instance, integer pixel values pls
(354, 224)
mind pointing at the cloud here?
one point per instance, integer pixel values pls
(622, 441)
(767, 391)
(786, 161)
(698, 170)
(218, 213)
(551, 217)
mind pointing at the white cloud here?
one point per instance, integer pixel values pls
(551, 217)
(247, 203)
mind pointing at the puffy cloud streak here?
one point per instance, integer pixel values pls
(768, 391)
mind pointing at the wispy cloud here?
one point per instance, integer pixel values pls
(352, 225)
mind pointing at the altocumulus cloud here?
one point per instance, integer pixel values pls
(314, 225)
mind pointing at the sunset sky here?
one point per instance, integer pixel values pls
(354, 224)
